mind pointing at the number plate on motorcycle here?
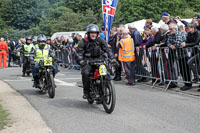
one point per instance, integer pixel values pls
(18, 53)
(102, 70)
(48, 61)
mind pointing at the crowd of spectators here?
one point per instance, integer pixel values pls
(178, 54)
(174, 46)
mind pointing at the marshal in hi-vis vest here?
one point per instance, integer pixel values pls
(41, 52)
(127, 50)
(28, 48)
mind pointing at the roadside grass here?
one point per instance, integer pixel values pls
(3, 117)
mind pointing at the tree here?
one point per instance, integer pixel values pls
(21, 14)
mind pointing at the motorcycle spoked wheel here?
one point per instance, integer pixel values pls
(43, 89)
(109, 98)
(51, 87)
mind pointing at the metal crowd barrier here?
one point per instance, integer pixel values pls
(168, 66)
(67, 57)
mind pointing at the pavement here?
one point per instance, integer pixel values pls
(139, 109)
(23, 117)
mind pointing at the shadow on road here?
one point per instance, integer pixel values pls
(76, 104)
(34, 92)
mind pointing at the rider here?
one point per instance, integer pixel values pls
(48, 40)
(90, 48)
(41, 50)
(27, 48)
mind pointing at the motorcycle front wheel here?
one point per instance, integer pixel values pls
(109, 98)
(51, 87)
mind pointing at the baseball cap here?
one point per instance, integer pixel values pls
(164, 14)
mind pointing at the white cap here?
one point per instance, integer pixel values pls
(154, 29)
(70, 40)
(125, 32)
(132, 26)
(2, 39)
(164, 27)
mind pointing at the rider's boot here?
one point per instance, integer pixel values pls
(37, 83)
(23, 75)
(85, 95)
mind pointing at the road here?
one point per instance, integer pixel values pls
(139, 109)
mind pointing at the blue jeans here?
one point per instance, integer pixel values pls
(35, 70)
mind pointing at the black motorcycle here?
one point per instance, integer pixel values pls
(102, 89)
(29, 62)
(46, 78)
(17, 55)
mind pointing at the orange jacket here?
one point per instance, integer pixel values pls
(4, 46)
(127, 50)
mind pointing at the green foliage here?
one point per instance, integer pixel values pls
(20, 17)
(3, 118)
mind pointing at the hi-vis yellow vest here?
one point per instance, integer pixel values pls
(127, 50)
(28, 48)
(41, 52)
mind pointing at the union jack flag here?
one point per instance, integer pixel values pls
(109, 8)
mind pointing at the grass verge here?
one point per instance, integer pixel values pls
(3, 117)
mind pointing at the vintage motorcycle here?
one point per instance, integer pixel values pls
(102, 89)
(46, 78)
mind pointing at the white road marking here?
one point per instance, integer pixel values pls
(60, 82)
(17, 80)
(61, 74)
(64, 83)
(70, 78)
(8, 68)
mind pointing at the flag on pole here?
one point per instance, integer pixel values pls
(109, 8)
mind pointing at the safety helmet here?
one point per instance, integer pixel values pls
(92, 28)
(41, 38)
(48, 38)
(29, 38)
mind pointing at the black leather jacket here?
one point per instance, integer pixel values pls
(88, 49)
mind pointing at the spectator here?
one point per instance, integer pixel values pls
(164, 29)
(78, 39)
(102, 34)
(113, 43)
(3, 53)
(147, 40)
(182, 21)
(182, 30)
(113, 40)
(53, 45)
(153, 57)
(148, 24)
(166, 18)
(127, 56)
(193, 39)
(198, 24)
(135, 34)
(119, 68)
(175, 41)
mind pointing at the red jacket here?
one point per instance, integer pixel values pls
(4, 46)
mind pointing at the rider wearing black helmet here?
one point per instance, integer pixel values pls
(28, 47)
(90, 48)
(48, 40)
